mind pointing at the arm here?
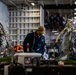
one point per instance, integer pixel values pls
(43, 45)
(26, 40)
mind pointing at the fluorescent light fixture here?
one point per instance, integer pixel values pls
(33, 4)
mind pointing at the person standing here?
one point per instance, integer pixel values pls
(36, 41)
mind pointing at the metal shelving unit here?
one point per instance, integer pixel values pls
(23, 20)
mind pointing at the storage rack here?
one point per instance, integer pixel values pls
(23, 20)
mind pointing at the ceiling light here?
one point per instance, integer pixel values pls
(75, 2)
(75, 9)
(74, 13)
(54, 31)
(73, 22)
(33, 4)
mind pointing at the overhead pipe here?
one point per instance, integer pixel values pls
(60, 6)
